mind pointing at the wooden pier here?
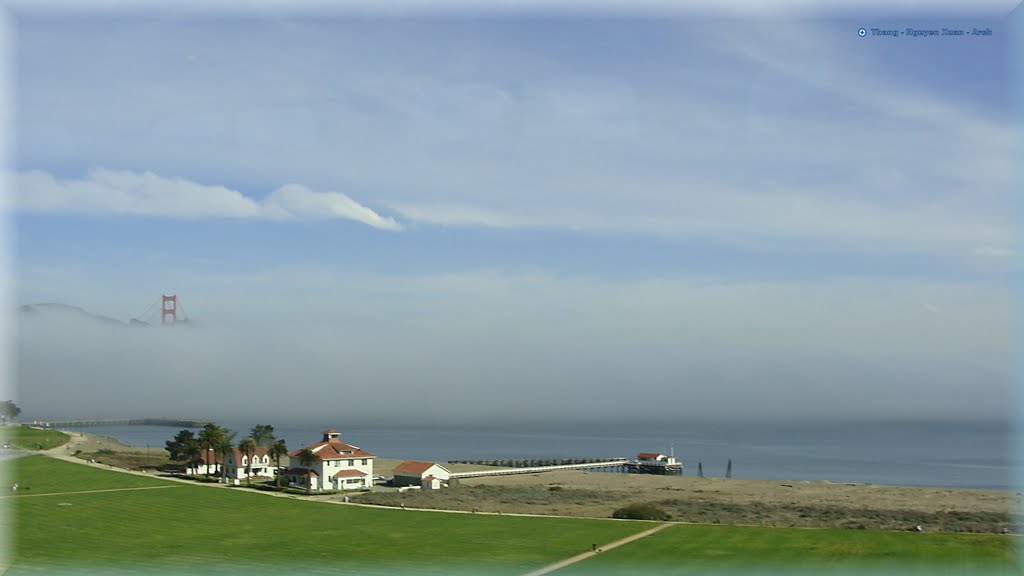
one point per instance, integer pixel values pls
(183, 423)
(592, 463)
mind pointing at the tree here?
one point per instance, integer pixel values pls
(183, 446)
(276, 451)
(193, 455)
(308, 459)
(9, 411)
(209, 439)
(263, 434)
(225, 444)
(247, 447)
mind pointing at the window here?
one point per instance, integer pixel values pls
(364, 461)
(351, 462)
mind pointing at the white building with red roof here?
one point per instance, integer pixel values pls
(209, 463)
(259, 464)
(340, 466)
(424, 474)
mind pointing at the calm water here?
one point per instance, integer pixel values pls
(944, 454)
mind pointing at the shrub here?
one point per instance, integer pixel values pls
(641, 511)
(105, 452)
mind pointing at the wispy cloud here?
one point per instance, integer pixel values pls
(463, 215)
(105, 191)
(302, 202)
(786, 139)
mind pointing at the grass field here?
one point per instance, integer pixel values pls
(700, 549)
(217, 530)
(33, 438)
(199, 529)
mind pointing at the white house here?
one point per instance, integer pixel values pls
(260, 465)
(340, 466)
(654, 458)
(656, 463)
(424, 474)
(209, 462)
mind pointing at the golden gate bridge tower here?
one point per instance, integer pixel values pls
(169, 309)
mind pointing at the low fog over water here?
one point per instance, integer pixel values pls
(484, 347)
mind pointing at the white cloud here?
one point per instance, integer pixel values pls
(303, 202)
(901, 170)
(462, 215)
(786, 136)
(105, 191)
(757, 220)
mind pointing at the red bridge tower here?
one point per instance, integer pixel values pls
(169, 310)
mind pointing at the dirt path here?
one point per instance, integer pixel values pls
(581, 557)
(90, 491)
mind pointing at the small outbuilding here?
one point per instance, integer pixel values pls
(424, 474)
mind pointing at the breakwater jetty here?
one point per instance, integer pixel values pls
(182, 422)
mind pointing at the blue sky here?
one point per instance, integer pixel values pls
(676, 209)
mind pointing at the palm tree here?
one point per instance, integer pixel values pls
(193, 454)
(276, 451)
(209, 437)
(247, 447)
(308, 459)
(225, 444)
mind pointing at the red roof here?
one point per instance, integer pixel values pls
(649, 455)
(334, 449)
(260, 452)
(208, 456)
(349, 473)
(429, 478)
(413, 467)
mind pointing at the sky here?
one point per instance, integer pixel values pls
(466, 216)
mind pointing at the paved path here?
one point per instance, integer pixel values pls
(605, 548)
(89, 491)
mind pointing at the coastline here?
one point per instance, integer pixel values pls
(91, 443)
(581, 493)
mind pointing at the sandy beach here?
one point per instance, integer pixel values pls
(720, 500)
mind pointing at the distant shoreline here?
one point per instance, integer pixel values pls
(708, 500)
(962, 456)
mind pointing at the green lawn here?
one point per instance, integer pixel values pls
(196, 528)
(39, 475)
(33, 438)
(701, 549)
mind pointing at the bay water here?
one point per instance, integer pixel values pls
(956, 454)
